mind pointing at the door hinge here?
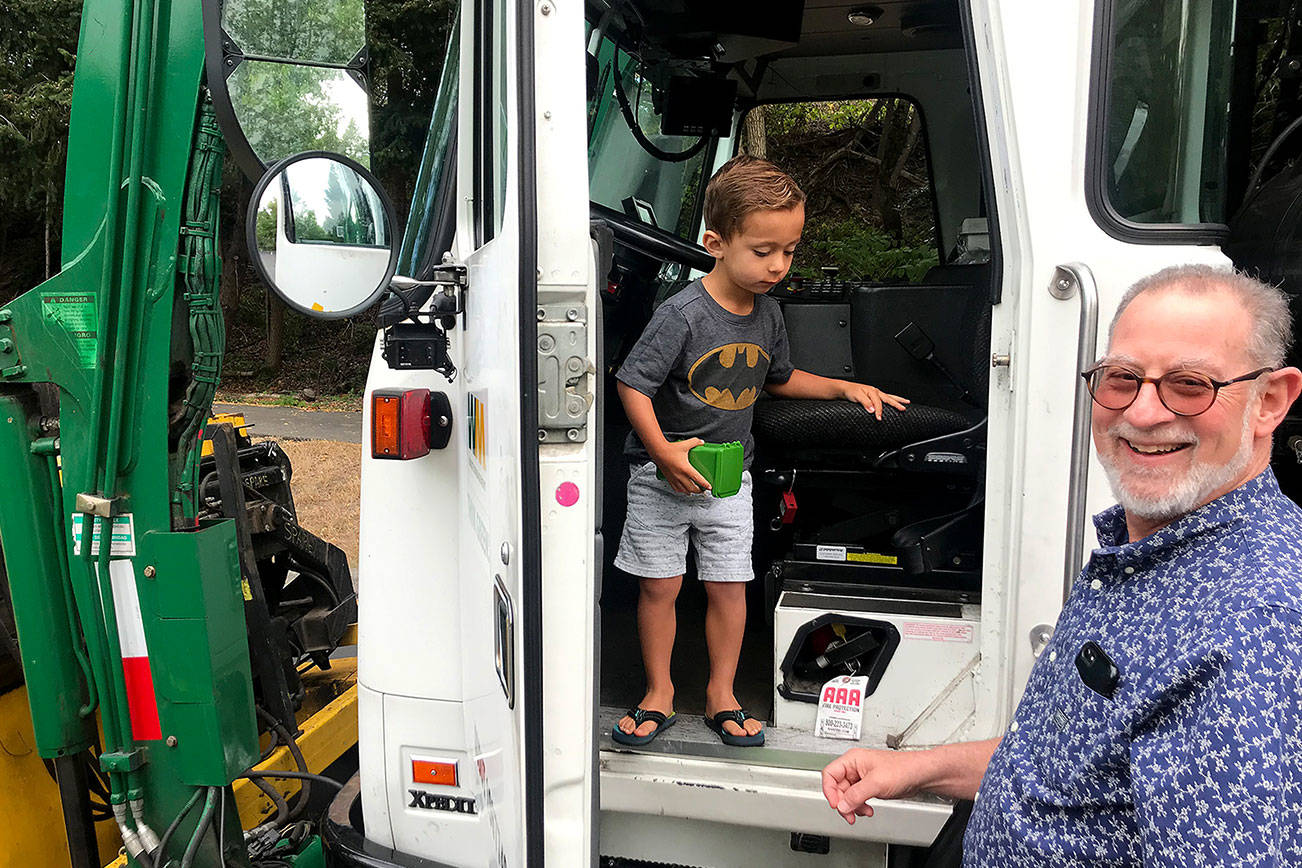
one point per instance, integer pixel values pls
(564, 373)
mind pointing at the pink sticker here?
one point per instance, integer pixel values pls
(567, 494)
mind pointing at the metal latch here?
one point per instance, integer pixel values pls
(564, 372)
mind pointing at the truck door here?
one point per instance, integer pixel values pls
(477, 629)
(529, 480)
(1160, 88)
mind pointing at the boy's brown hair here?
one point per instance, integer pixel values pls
(745, 184)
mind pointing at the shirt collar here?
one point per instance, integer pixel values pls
(1250, 497)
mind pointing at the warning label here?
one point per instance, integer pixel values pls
(123, 543)
(934, 631)
(78, 313)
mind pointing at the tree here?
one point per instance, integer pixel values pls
(38, 44)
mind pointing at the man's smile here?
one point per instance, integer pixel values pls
(1154, 448)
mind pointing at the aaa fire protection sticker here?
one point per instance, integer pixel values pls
(840, 707)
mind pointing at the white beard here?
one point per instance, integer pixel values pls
(1186, 493)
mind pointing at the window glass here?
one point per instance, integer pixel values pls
(491, 155)
(1167, 82)
(436, 169)
(622, 174)
(329, 203)
(864, 166)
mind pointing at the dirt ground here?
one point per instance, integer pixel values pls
(326, 488)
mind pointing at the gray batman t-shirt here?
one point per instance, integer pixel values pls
(703, 367)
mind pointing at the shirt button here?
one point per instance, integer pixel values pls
(1129, 571)
(1096, 584)
(1012, 727)
(1053, 655)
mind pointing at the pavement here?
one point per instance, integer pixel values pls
(291, 423)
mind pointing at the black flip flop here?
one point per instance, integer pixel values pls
(641, 715)
(738, 716)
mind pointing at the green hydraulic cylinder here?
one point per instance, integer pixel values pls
(56, 684)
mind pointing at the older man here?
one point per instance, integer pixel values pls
(1162, 725)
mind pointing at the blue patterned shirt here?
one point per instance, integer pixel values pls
(1196, 760)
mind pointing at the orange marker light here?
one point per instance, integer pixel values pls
(400, 423)
(438, 772)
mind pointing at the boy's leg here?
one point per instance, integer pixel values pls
(657, 624)
(725, 624)
(723, 533)
(654, 543)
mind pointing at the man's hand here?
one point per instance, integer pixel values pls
(870, 397)
(858, 775)
(671, 459)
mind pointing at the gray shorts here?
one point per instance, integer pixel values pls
(660, 521)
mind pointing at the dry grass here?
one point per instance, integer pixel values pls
(326, 489)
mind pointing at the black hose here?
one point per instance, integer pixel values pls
(635, 128)
(205, 820)
(161, 850)
(298, 776)
(282, 806)
(288, 738)
(1270, 155)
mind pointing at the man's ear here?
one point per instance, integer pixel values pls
(713, 243)
(1281, 391)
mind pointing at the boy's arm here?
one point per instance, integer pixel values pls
(803, 384)
(671, 458)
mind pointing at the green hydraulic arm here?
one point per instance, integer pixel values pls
(124, 604)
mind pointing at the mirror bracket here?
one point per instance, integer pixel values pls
(420, 342)
(232, 55)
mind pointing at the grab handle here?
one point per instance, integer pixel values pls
(1068, 280)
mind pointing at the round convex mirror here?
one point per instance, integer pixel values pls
(321, 233)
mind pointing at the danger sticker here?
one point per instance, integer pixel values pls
(936, 631)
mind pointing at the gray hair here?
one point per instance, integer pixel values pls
(1266, 305)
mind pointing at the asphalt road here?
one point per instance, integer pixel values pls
(290, 423)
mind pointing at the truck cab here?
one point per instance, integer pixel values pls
(1034, 159)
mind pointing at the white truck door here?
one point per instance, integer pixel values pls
(528, 475)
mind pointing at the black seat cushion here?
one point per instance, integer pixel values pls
(785, 424)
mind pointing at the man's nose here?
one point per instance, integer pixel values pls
(1147, 409)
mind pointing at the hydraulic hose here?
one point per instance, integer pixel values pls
(205, 820)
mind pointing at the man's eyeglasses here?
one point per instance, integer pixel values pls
(1184, 393)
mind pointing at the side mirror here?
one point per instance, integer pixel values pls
(321, 234)
(288, 76)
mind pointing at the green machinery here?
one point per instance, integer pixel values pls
(148, 628)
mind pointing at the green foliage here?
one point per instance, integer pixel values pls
(816, 118)
(296, 29)
(266, 225)
(38, 42)
(407, 41)
(861, 252)
(285, 109)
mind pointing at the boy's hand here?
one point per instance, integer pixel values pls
(871, 398)
(672, 461)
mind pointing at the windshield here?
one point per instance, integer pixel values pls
(622, 173)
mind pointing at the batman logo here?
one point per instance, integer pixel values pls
(729, 377)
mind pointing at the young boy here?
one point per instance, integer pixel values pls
(693, 377)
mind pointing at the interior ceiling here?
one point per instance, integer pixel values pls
(904, 25)
(686, 27)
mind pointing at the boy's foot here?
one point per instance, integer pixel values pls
(640, 716)
(751, 726)
(664, 704)
(737, 719)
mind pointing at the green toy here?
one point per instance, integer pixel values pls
(720, 464)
